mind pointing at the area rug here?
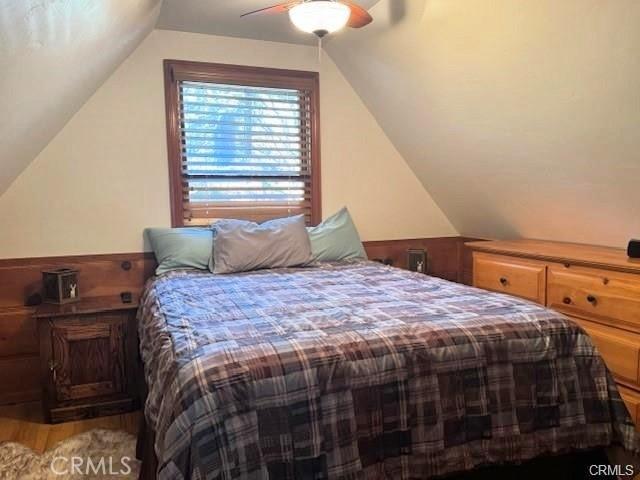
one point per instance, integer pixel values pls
(96, 454)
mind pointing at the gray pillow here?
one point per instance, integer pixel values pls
(175, 248)
(336, 239)
(239, 245)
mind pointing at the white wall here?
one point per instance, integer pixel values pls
(520, 117)
(104, 178)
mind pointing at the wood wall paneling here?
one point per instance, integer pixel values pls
(19, 379)
(99, 275)
(18, 332)
(447, 257)
(104, 276)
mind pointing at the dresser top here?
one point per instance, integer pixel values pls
(85, 306)
(561, 252)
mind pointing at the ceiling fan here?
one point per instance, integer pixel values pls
(320, 16)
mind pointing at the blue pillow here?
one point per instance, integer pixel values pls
(174, 248)
(241, 246)
(336, 239)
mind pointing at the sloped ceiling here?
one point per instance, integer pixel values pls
(222, 17)
(53, 55)
(521, 118)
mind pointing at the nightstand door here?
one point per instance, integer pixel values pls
(88, 356)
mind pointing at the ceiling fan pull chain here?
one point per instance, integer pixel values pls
(319, 50)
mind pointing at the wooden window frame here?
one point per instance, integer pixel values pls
(181, 70)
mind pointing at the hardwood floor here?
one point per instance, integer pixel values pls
(23, 423)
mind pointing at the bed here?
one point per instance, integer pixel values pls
(360, 370)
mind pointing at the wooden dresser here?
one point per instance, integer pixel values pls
(598, 287)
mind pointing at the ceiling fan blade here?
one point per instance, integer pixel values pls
(279, 8)
(359, 16)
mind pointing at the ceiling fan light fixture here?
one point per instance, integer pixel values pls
(320, 16)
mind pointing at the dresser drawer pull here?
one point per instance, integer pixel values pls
(592, 299)
(566, 301)
(503, 281)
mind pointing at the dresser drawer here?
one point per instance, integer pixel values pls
(611, 297)
(631, 399)
(619, 349)
(519, 277)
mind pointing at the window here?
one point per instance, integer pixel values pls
(243, 142)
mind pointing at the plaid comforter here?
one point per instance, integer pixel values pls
(363, 371)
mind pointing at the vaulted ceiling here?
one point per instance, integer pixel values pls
(520, 118)
(53, 55)
(222, 17)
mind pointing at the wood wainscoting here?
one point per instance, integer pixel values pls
(447, 257)
(99, 276)
(111, 274)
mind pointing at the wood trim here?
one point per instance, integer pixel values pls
(173, 145)
(238, 74)
(316, 187)
(176, 70)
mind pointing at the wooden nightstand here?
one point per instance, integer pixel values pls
(88, 358)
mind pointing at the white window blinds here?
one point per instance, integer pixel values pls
(245, 151)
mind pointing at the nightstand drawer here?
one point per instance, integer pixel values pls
(619, 349)
(611, 297)
(522, 278)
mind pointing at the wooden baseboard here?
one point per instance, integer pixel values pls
(111, 274)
